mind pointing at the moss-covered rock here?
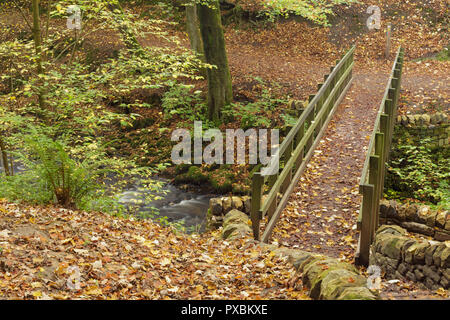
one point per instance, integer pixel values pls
(215, 205)
(445, 258)
(235, 225)
(235, 216)
(416, 253)
(236, 203)
(437, 254)
(295, 256)
(411, 212)
(227, 204)
(357, 293)
(441, 219)
(336, 281)
(391, 229)
(237, 230)
(316, 272)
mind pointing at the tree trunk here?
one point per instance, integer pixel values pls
(38, 49)
(4, 158)
(219, 77)
(193, 30)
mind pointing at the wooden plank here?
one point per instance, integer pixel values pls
(373, 180)
(272, 208)
(379, 151)
(298, 139)
(288, 177)
(384, 128)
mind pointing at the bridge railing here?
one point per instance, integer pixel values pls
(371, 184)
(270, 194)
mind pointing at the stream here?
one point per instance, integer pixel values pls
(177, 205)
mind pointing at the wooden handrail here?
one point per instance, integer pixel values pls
(371, 183)
(298, 147)
(365, 170)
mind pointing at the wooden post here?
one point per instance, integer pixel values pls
(379, 151)
(384, 128)
(388, 41)
(373, 180)
(298, 139)
(365, 234)
(257, 189)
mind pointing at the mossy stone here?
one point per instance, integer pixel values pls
(336, 281)
(357, 293)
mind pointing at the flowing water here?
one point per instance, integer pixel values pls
(177, 205)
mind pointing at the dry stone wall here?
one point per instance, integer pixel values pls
(416, 218)
(219, 207)
(401, 257)
(417, 127)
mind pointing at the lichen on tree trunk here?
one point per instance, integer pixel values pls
(219, 77)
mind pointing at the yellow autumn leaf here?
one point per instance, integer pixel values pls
(165, 262)
(66, 241)
(94, 291)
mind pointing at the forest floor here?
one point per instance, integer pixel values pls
(129, 259)
(120, 258)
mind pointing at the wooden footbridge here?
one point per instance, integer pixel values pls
(270, 194)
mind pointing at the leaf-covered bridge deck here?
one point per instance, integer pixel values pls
(321, 214)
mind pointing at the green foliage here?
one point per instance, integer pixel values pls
(258, 114)
(68, 180)
(288, 119)
(73, 175)
(420, 172)
(444, 55)
(180, 100)
(316, 11)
